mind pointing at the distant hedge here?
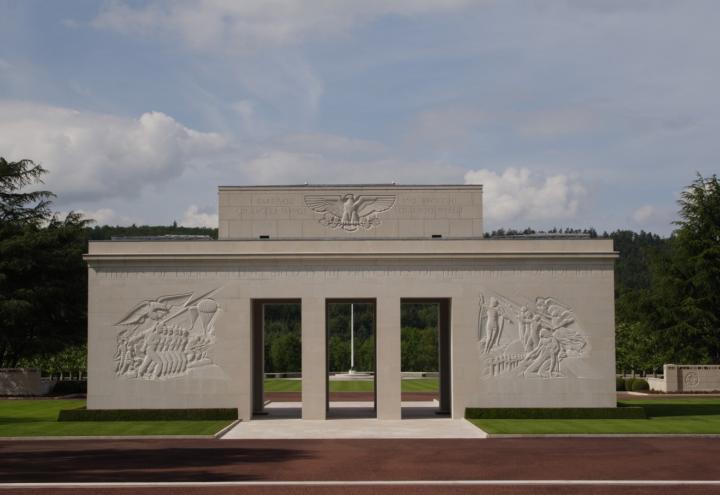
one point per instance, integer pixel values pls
(556, 413)
(635, 384)
(147, 414)
(67, 387)
(639, 384)
(619, 384)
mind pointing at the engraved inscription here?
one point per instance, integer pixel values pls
(274, 200)
(430, 212)
(515, 339)
(427, 201)
(349, 212)
(271, 212)
(167, 337)
(320, 272)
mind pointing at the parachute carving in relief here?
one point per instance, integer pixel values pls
(167, 337)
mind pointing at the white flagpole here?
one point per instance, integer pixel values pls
(352, 338)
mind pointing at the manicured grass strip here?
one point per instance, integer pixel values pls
(676, 407)
(689, 425)
(351, 385)
(671, 416)
(283, 385)
(556, 413)
(83, 414)
(295, 385)
(421, 385)
(22, 418)
(20, 411)
(110, 428)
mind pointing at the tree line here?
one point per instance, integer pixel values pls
(667, 289)
(282, 337)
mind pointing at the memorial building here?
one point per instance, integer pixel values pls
(523, 322)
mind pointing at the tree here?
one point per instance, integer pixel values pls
(285, 352)
(18, 208)
(365, 354)
(419, 349)
(683, 307)
(42, 276)
(338, 354)
(636, 348)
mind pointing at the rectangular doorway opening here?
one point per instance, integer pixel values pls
(277, 364)
(425, 357)
(351, 387)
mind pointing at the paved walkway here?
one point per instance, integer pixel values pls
(288, 467)
(352, 420)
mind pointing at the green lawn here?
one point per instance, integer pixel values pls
(294, 385)
(664, 416)
(282, 385)
(421, 385)
(21, 418)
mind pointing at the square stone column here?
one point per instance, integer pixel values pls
(314, 359)
(239, 312)
(464, 355)
(388, 358)
(671, 374)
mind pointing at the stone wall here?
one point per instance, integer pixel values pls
(532, 323)
(689, 378)
(21, 381)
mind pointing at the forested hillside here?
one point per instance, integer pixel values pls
(107, 232)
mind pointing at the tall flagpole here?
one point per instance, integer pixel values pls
(352, 339)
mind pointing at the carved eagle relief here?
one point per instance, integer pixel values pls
(350, 212)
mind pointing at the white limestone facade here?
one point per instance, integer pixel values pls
(530, 322)
(382, 211)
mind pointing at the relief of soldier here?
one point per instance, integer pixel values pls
(166, 337)
(527, 341)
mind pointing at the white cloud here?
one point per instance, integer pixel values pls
(249, 24)
(643, 214)
(91, 155)
(653, 218)
(519, 195)
(197, 217)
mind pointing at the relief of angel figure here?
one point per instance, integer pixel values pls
(349, 212)
(492, 321)
(546, 335)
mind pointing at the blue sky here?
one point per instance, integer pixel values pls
(571, 113)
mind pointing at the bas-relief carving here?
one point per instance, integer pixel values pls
(349, 212)
(167, 337)
(692, 379)
(527, 341)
